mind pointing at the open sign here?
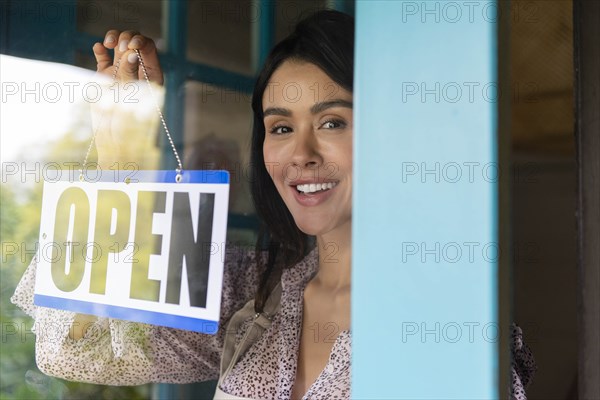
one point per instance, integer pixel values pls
(141, 248)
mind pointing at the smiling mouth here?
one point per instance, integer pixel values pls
(309, 188)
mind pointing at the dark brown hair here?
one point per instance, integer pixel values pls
(326, 39)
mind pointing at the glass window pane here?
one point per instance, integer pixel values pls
(46, 133)
(96, 17)
(85, 59)
(220, 33)
(217, 133)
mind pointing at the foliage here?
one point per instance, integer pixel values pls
(20, 206)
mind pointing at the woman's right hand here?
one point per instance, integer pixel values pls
(124, 44)
(122, 140)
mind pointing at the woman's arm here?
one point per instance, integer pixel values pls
(116, 352)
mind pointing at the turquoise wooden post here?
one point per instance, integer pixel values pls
(425, 254)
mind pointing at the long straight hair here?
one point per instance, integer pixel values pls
(325, 39)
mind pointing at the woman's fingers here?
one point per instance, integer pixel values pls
(124, 45)
(111, 38)
(127, 71)
(147, 49)
(103, 59)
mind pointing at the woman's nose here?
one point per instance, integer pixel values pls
(306, 153)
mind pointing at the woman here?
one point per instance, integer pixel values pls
(302, 185)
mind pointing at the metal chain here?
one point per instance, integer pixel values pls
(179, 170)
(160, 114)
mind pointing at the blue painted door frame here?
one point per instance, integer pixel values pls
(425, 209)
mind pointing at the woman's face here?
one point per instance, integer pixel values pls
(308, 146)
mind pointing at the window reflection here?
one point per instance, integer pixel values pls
(220, 33)
(97, 17)
(217, 132)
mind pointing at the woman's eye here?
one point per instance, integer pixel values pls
(280, 130)
(333, 124)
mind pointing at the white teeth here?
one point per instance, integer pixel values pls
(315, 187)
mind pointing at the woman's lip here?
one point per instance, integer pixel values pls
(312, 199)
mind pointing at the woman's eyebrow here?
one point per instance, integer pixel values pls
(324, 105)
(277, 111)
(315, 109)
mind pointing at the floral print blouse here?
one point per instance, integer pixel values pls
(115, 352)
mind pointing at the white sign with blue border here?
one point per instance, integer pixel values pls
(135, 245)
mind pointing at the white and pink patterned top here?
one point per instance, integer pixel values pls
(115, 352)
